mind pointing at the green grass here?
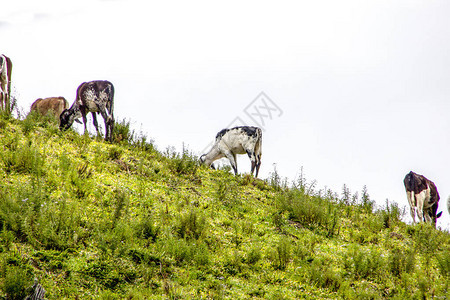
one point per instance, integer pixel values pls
(94, 220)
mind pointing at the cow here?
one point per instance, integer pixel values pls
(5, 81)
(51, 105)
(423, 198)
(94, 96)
(237, 140)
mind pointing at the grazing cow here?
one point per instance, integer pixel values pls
(237, 140)
(423, 197)
(5, 81)
(53, 105)
(93, 96)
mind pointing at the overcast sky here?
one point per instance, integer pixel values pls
(355, 92)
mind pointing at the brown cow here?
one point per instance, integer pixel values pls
(53, 105)
(5, 81)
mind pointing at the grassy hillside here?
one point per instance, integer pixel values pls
(92, 220)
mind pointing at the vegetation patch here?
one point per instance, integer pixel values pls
(94, 220)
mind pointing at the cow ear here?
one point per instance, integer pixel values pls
(439, 214)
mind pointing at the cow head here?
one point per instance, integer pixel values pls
(68, 116)
(66, 119)
(202, 160)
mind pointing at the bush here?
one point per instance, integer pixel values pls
(390, 215)
(186, 251)
(254, 255)
(23, 158)
(191, 225)
(122, 133)
(363, 263)
(283, 253)
(185, 163)
(16, 282)
(401, 261)
(322, 274)
(313, 212)
(146, 229)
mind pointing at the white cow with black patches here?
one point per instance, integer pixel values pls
(237, 140)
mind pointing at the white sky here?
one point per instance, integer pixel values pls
(363, 85)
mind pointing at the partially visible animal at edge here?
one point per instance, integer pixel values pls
(94, 96)
(237, 140)
(5, 81)
(50, 105)
(423, 198)
(448, 204)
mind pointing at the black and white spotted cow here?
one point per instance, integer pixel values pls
(237, 140)
(423, 197)
(93, 96)
(5, 81)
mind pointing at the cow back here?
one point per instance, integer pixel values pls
(415, 183)
(54, 105)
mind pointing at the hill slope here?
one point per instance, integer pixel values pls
(88, 219)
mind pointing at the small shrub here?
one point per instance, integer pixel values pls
(443, 259)
(390, 215)
(147, 229)
(367, 205)
(23, 159)
(191, 225)
(283, 253)
(253, 256)
(122, 133)
(121, 205)
(221, 191)
(401, 261)
(233, 263)
(280, 255)
(16, 282)
(114, 152)
(185, 251)
(363, 263)
(313, 212)
(117, 240)
(277, 219)
(323, 275)
(186, 163)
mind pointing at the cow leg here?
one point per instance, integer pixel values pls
(258, 164)
(421, 198)
(83, 115)
(252, 157)
(2, 97)
(232, 158)
(108, 124)
(110, 120)
(94, 120)
(412, 205)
